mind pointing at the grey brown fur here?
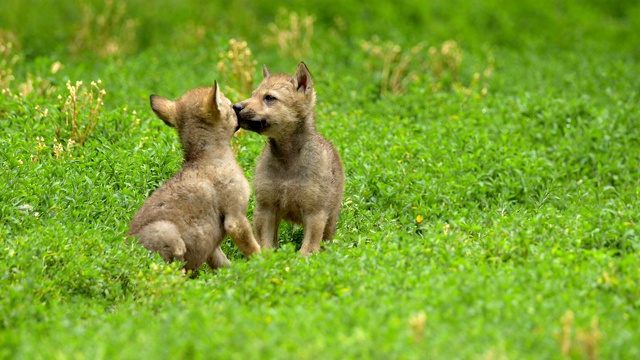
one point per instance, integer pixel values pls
(187, 218)
(299, 175)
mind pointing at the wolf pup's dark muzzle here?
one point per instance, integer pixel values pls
(246, 122)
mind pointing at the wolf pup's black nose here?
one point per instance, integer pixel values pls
(237, 107)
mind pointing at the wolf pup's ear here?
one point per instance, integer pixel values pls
(164, 108)
(217, 96)
(212, 102)
(265, 72)
(302, 78)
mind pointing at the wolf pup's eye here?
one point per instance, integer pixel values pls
(270, 98)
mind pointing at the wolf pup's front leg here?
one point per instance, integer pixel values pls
(266, 222)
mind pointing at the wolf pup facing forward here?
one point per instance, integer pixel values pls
(187, 218)
(299, 174)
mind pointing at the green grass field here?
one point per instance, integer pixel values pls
(492, 159)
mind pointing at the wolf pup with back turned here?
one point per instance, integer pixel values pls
(299, 174)
(187, 218)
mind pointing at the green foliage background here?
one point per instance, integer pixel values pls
(493, 216)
